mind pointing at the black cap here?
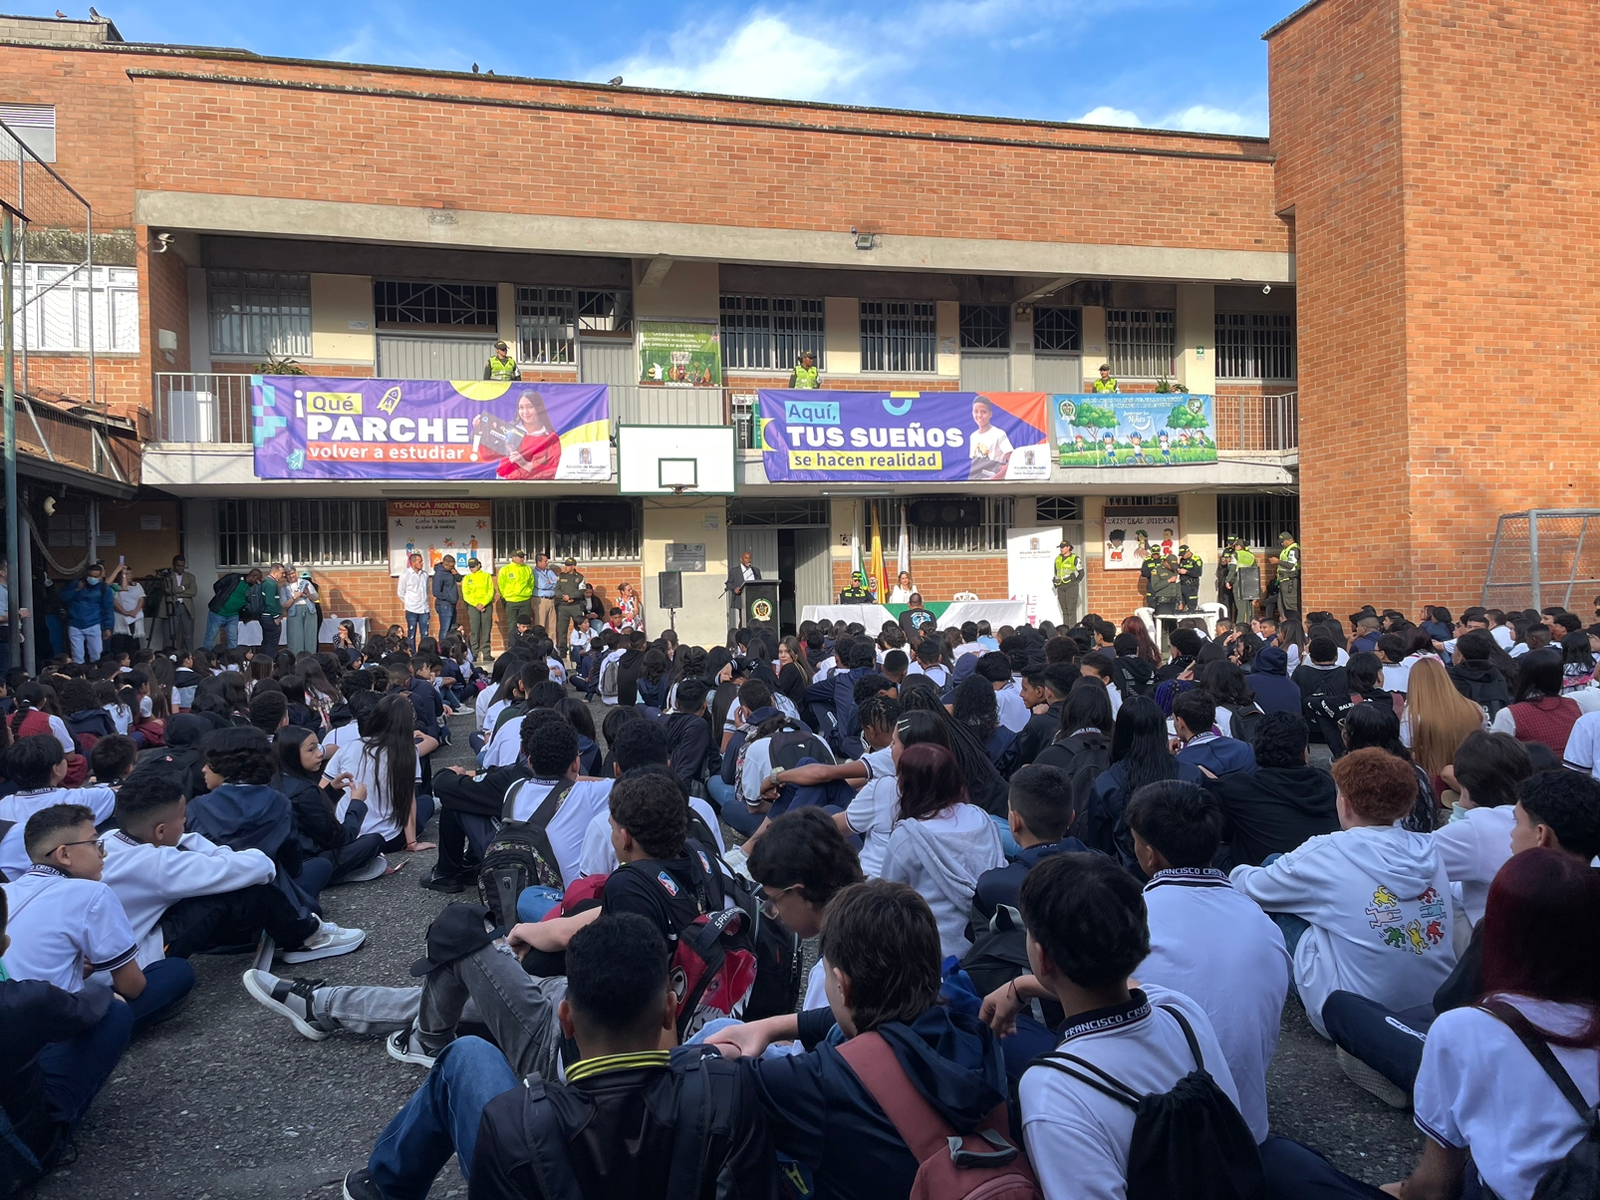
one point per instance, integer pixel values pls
(455, 933)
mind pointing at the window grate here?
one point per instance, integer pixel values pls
(1143, 342)
(788, 513)
(1258, 519)
(315, 533)
(1059, 508)
(259, 313)
(985, 327)
(770, 333)
(530, 525)
(1058, 329)
(415, 303)
(996, 514)
(899, 336)
(605, 312)
(54, 298)
(1256, 346)
(545, 325)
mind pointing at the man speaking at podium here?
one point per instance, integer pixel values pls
(741, 573)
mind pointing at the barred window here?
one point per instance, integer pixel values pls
(1143, 342)
(1059, 508)
(1256, 346)
(54, 300)
(899, 336)
(418, 304)
(313, 533)
(770, 332)
(259, 313)
(985, 327)
(545, 325)
(1258, 519)
(1058, 329)
(995, 516)
(758, 510)
(605, 312)
(530, 525)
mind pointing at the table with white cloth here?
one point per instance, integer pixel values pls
(949, 614)
(328, 631)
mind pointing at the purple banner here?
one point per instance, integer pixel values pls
(307, 427)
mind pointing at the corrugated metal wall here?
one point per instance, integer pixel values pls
(433, 356)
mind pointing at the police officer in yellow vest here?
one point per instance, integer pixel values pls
(1068, 571)
(805, 373)
(1190, 568)
(1288, 577)
(1240, 578)
(1106, 382)
(502, 367)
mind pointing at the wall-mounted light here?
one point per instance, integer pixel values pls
(864, 241)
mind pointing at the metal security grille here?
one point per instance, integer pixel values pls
(259, 313)
(988, 535)
(327, 533)
(985, 327)
(545, 321)
(530, 525)
(788, 513)
(1058, 329)
(414, 303)
(1545, 556)
(1258, 519)
(605, 312)
(1255, 346)
(1143, 341)
(771, 332)
(1059, 508)
(898, 335)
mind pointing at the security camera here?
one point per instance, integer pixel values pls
(163, 243)
(1266, 289)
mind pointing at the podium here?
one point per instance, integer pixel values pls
(761, 605)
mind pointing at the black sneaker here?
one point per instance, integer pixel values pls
(448, 884)
(291, 998)
(358, 1185)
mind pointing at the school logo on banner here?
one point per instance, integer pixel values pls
(1167, 429)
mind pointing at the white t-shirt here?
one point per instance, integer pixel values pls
(364, 769)
(1077, 1136)
(1014, 712)
(587, 799)
(1480, 1089)
(1473, 848)
(60, 927)
(506, 745)
(1583, 745)
(341, 735)
(122, 716)
(1504, 635)
(939, 673)
(482, 705)
(872, 809)
(19, 806)
(600, 856)
(990, 443)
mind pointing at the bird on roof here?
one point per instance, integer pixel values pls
(617, 82)
(60, 14)
(474, 68)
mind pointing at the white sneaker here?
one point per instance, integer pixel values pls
(288, 998)
(373, 870)
(738, 862)
(329, 941)
(402, 1048)
(1373, 1081)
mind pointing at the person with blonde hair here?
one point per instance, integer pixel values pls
(1437, 718)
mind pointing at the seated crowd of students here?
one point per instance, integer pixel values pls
(1063, 884)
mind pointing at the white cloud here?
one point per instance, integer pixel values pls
(765, 56)
(1197, 118)
(1106, 115)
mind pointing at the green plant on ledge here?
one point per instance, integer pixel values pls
(278, 366)
(1163, 384)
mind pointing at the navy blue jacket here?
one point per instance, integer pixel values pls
(1003, 885)
(34, 1014)
(1270, 683)
(1220, 756)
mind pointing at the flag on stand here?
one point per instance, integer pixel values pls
(855, 543)
(902, 561)
(876, 582)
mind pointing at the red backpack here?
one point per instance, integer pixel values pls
(983, 1165)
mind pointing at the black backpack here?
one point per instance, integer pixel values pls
(1189, 1142)
(999, 954)
(1577, 1175)
(779, 958)
(1246, 721)
(789, 746)
(520, 856)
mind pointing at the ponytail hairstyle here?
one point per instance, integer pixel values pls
(388, 744)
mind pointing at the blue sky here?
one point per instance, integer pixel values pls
(1175, 64)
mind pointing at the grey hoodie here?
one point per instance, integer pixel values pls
(943, 866)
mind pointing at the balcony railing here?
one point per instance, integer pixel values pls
(86, 442)
(1258, 424)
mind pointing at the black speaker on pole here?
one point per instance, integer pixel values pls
(669, 585)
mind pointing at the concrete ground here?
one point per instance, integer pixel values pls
(227, 1102)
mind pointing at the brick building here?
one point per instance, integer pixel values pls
(1345, 291)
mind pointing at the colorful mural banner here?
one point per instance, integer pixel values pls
(439, 529)
(680, 353)
(307, 427)
(835, 436)
(1132, 533)
(1166, 429)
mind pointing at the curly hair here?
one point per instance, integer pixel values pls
(1375, 784)
(651, 809)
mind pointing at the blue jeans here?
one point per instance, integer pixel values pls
(416, 627)
(1293, 1170)
(721, 792)
(86, 644)
(447, 618)
(440, 1119)
(76, 1070)
(215, 623)
(166, 983)
(536, 901)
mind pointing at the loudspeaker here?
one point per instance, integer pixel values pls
(669, 586)
(951, 513)
(594, 516)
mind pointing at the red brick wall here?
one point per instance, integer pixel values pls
(749, 381)
(939, 578)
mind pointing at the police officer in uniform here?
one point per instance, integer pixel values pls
(502, 366)
(1165, 588)
(1068, 573)
(570, 602)
(857, 592)
(1190, 568)
(1106, 382)
(1240, 581)
(1288, 577)
(805, 373)
(1147, 575)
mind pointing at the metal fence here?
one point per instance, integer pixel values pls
(1263, 424)
(1544, 556)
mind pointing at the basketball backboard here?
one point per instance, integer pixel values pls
(668, 460)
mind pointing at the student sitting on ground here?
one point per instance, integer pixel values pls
(1476, 842)
(1365, 910)
(1039, 817)
(880, 950)
(112, 760)
(1285, 802)
(37, 766)
(384, 766)
(69, 927)
(616, 1126)
(1194, 718)
(1508, 1092)
(329, 825)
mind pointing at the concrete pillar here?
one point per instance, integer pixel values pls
(948, 317)
(342, 328)
(841, 324)
(1021, 351)
(200, 546)
(506, 303)
(702, 621)
(682, 290)
(1197, 352)
(1094, 344)
(199, 323)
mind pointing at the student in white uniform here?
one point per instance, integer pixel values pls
(384, 767)
(37, 765)
(927, 662)
(1483, 1097)
(1476, 842)
(1207, 940)
(996, 668)
(871, 813)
